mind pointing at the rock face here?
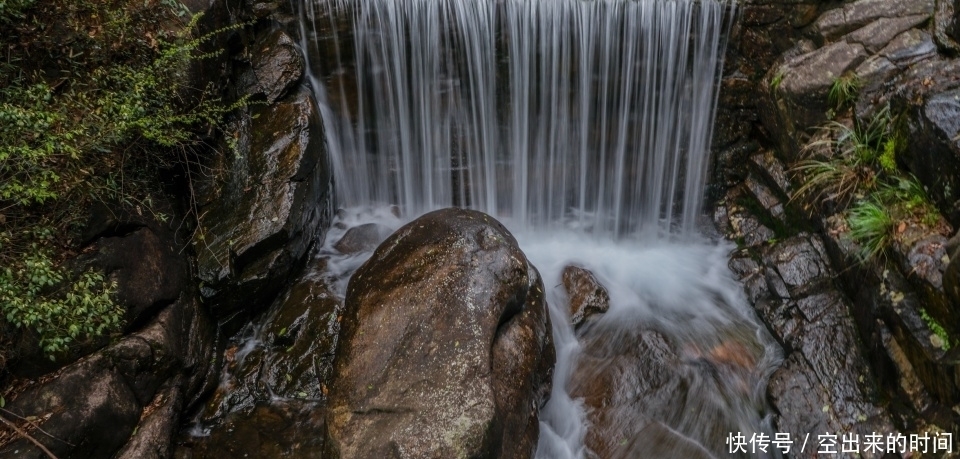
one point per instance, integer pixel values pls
(930, 96)
(258, 222)
(849, 344)
(276, 66)
(154, 278)
(825, 383)
(851, 16)
(446, 347)
(286, 359)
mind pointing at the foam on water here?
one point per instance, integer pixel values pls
(681, 287)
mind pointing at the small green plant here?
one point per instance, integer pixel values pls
(907, 197)
(865, 141)
(777, 79)
(843, 91)
(850, 154)
(936, 329)
(904, 191)
(871, 226)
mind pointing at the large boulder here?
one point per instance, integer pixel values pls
(446, 347)
(258, 221)
(154, 278)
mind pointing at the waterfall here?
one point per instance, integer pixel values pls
(590, 114)
(579, 124)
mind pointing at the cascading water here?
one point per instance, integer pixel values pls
(585, 127)
(598, 113)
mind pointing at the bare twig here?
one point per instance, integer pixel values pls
(35, 426)
(28, 437)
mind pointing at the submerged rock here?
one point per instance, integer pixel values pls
(266, 431)
(639, 390)
(446, 347)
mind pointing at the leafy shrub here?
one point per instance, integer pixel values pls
(29, 299)
(80, 102)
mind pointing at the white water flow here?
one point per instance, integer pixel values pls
(584, 126)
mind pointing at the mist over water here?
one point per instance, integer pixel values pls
(584, 126)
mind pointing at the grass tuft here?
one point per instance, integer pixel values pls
(844, 91)
(871, 226)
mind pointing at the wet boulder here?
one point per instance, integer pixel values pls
(800, 85)
(363, 238)
(155, 277)
(854, 15)
(259, 219)
(586, 294)
(446, 347)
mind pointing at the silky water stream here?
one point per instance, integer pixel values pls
(585, 127)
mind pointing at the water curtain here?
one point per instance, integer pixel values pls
(593, 114)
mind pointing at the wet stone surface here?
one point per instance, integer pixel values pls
(638, 385)
(825, 383)
(259, 220)
(286, 357)
(363, 238)
(586, 294)
(466, 380)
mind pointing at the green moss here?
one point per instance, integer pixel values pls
(936, 329)
(888, 157)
